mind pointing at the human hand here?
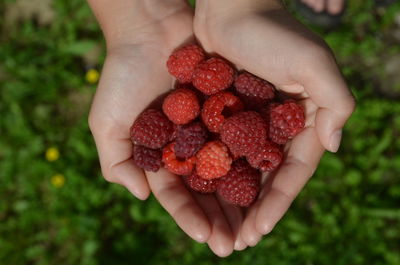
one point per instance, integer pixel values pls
(140, 36)
(262, 38)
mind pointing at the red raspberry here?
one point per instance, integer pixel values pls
(181, 106)
(175, 165)
(190, 138)
(244, 132)
(212, 76)
(196, 183)
(183, 61)
(267, 158)
(151, 129)
(146, 158)
(286, 121)
(213, 160)
(241, 185)
(213, 108)
(255, 90)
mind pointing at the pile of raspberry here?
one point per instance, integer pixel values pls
(218, 128)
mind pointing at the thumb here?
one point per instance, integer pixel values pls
(328, 90)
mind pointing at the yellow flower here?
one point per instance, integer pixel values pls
(92, 76)
(58, 180)
(52, 154)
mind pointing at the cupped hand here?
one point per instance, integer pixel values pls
(262, 38)
(133, 75)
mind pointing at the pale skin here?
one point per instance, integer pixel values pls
(259, 36)
(333, 7)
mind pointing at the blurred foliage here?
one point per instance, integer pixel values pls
(63, 212)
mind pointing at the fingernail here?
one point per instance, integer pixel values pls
(254, 241)
(335, 139)
(239, 245)
(136, 193)
(200, 238)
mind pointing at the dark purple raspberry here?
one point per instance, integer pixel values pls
(146, 158)
(189, 139)
(151, 129)
(251, 85)
(252, 102)
(196, 183)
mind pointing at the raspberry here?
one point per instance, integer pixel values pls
(213, 160)
(190, 138)
(241, 185)
(244, 132)
(146, 158)
(175, 165)
(267, 158)
(214, 107)
(286, 121)
(174, 132)
(181, 106)
(266, 111)
(254, 88)
(212, 76)
(252, 102)
(196, 183)
(181, 63)
(151, 129)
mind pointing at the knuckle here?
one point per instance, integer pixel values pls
(268, 228)
(108, 177)
(352, 105)
(315, 57)
(321, 54)
(98, 125)
(106, 171)
(91, 122)
(348, 106)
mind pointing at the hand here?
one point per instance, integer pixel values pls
(140, 36)
(262, 38)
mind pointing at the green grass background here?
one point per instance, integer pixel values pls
(348, 213)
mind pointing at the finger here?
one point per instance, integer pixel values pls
(180, 204)
(116, 160)
(248, 232)
(318, 5)
(301, 162)
(308, 2)
(327, 88)
(335, 7)
(234, 215)
(221, 240)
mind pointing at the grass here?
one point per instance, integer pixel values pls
(63, 212)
